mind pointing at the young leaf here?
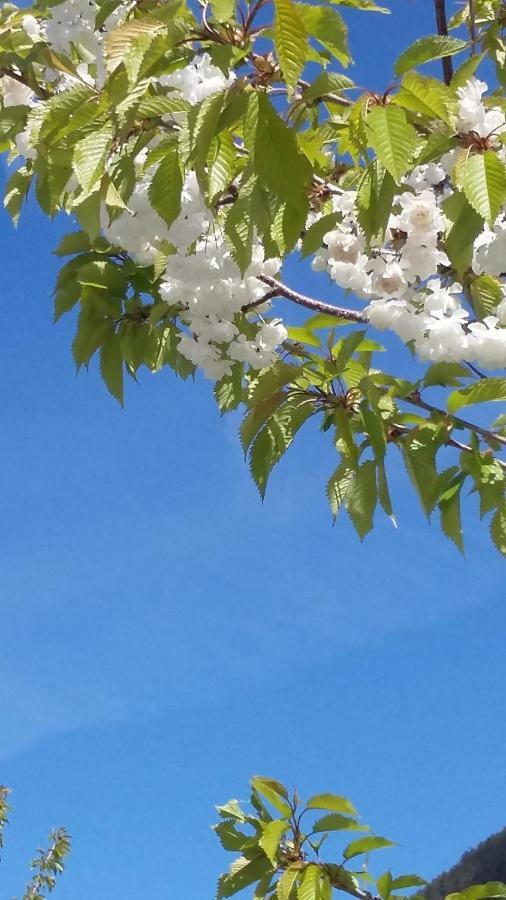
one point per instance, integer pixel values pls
(392, 138)
(274, 792)
(166, 186)
(337, 822)
(111, 366)
(487, 390)
(272, 832)
(483, 180)
(365, 845)
(332, 802)
(361, 498)
(327, 27)
(337, 487)
(427, 48)
(291, 41)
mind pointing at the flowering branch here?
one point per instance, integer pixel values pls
(320, 306)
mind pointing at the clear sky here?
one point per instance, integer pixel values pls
(164, 636)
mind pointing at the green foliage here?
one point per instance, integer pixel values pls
(48, 864)
(271, 151)
(425, 49)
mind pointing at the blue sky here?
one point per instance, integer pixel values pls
(165, 636)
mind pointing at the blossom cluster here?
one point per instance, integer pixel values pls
(404, 279)
(405, 282)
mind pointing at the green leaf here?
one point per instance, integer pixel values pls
(375, 195)
(272, 832)
(274, 792)
(166, 186)
(483, 180)
(488, 891)
(313, 238)
(427, 48)
(487, 294)
(361, 498)
(278, 162)
(419, 452)
(365, 845)
(384, 884)
(392, 138)
(498, 535)
(326, 26)
(426, 96)
(231, 810)
(384, 493)
(487, 390)
(332, 802)
(229, 837)
(326, 83)
(16, 191)
(75, 242)
(284, 887)
(449, 506)
(309, 888)
(466, 225)
(90, 155)
(337, 487)
(247, 871)
(111, 366)
(366, 5)
(229, 391)
(338, 822)
(290, 40)
(274, 439)
(407, 881)
(224, 10)
(445, 375)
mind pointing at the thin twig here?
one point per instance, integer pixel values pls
(416, 400)
(442, 29)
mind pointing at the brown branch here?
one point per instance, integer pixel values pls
(339, 312)
(442, 29)
(415, 400)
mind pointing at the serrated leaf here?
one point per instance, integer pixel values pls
(309, 887)
(361, 498)
(366, 5)
(231, 810)
(313, 238)
(384, 493)
(90, 155)
(272, 442)
(332, 802)
(375, 194)
(449, 507)
(427, 48)
(290, 40)
(247, 873)
(229, 837)
(166, 186)
(338, 822)
(223, 10)
(392, 138)
(487, 390)
(419, 452)
(272, 832)
(279, 164)
(365, 845)
(337, 487)
(111, 366)
(486, 293)
(274, 792)
(326, 26)
(466, 225)
(285, 885)
(445, 375)
(483, 180)
(426, 96)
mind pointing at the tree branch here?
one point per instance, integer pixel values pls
(416, 400)
(442, 29)
(328, 309)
